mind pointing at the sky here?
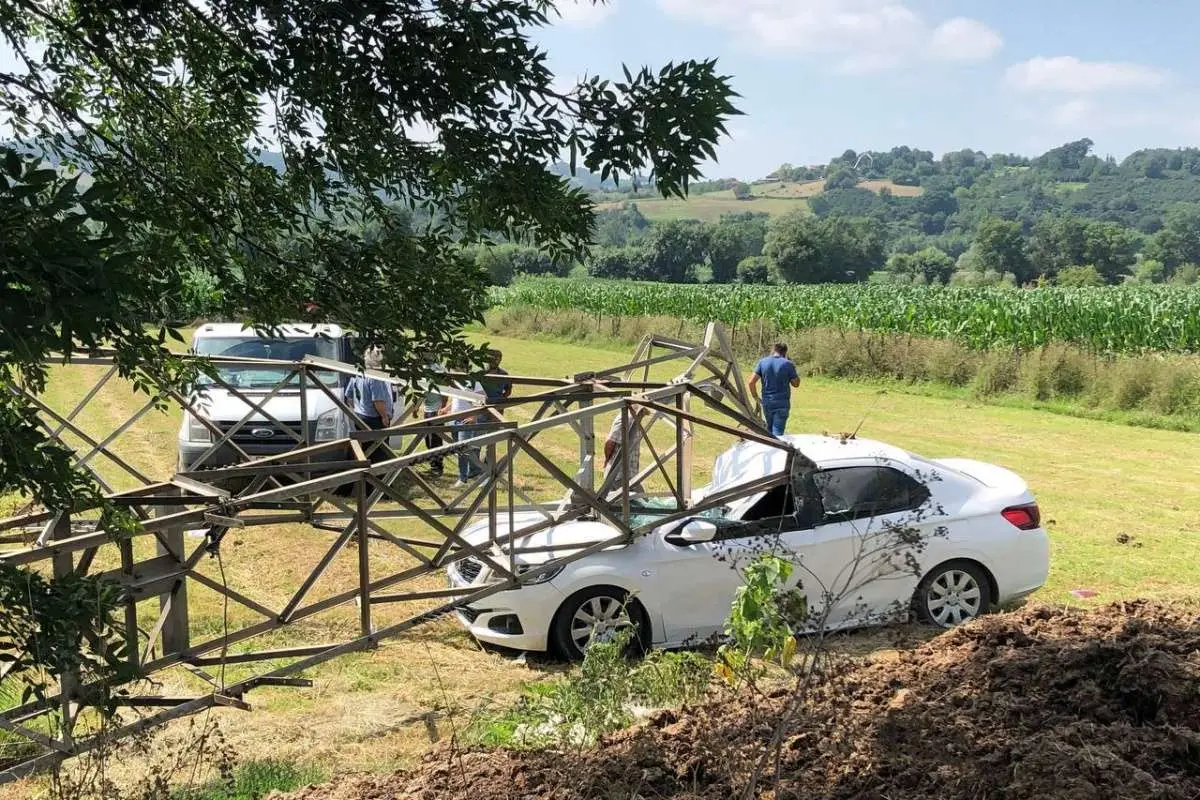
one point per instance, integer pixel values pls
(817, 77)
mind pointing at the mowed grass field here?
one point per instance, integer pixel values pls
(710, 206)
(1095, 480)
(1122, 505)
(773, 198)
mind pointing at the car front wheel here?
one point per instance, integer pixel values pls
(952, 594)
(598, 615)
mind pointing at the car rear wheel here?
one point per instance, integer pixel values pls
(952, 594)
(597, 615)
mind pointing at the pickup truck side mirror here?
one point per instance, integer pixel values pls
(692, 531)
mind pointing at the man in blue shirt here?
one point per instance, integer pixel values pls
(778, 376)
(496, 389)
(372, 399)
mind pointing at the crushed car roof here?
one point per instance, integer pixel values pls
(748, 460)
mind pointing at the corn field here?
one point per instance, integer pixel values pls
(1105, 320)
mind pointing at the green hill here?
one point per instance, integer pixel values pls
(911, 190)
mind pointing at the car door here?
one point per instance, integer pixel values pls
(693, 586)
(697, 582)
(864, 547)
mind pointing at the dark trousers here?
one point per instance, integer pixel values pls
(380, 453)
(432, 440)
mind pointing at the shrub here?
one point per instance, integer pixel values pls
(604, 694)
(950, 363)
(1177, 390)
(497, 261)
(1133, 382)
(1079, 276)
(998, 372)
(1187, 275)
(754, 269)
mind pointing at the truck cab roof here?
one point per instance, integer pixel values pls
(298, 330)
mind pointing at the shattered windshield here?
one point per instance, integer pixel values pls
(648, 510)
(265, 377)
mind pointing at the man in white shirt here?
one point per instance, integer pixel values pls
(467, 468)
(631, 460)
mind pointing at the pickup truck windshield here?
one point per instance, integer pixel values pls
(263, 377)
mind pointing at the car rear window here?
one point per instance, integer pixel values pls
(928, 467)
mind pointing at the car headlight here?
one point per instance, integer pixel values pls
(196, 432)
(542, 577)
(330, 425)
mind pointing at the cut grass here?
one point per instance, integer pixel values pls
(778, 197)
(1096, 481)
(897, 189)
(254, 780)
(710, 206)
(1155, 390)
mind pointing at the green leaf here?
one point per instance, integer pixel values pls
(13, 164)
(40, 177)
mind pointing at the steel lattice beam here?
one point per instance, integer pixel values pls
(158, 565)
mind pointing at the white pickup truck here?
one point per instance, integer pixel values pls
(260, 436)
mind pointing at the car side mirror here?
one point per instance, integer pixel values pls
(692, 531)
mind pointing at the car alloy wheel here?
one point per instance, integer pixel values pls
(954, 598)
(598, 619)
(952, 595)
(597, 615)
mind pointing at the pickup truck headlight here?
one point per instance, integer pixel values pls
(331, 425)
(196, 432)
(544, 577)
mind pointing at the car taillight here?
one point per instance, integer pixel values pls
(1024, 517)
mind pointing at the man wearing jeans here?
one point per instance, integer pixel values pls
(778, 376)
(467, 466)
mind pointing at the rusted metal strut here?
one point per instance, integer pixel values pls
(382, 533)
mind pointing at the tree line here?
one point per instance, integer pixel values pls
(961, 188)
(801, 247)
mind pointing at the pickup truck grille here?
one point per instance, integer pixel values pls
(267, 433)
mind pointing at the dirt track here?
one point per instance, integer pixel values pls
(1043, 703)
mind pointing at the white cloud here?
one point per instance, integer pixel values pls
(1070, 75)
(860, 35)
(1076, 112)
(1067, 96)
(582, 13)
(962, 39)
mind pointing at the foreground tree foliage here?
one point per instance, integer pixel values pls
(137, 174)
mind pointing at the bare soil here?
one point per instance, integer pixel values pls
(1040, 703)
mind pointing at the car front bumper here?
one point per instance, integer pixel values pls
(516, 619)
(224, 456)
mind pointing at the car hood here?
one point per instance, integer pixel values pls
(564, 539)
(220, 405)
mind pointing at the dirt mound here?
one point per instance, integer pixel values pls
(1043, 703)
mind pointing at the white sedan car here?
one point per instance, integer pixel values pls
(982, 546)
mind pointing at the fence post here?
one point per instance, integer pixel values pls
(587, 444)
(169, 542)
(363, 521)
(63, 565)
(683, 451)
